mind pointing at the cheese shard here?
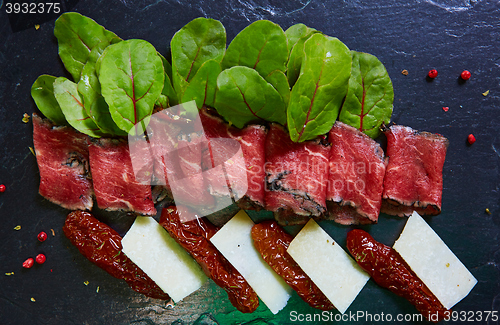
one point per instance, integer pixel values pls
(235, 242)
(433, 262)
(335, 273)
(149, 246)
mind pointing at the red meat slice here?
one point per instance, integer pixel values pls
(162, 132)
(356, 178)
(115, 184)
(414, 175)
(252, 140)
(249, 194)
(178, 146)
(296, 177)
(62, 156)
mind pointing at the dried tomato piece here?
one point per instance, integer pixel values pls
(194, 236)
(272, 242)
(102, 245)
(388, 269)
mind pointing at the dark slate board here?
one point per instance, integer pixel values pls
(449, 35)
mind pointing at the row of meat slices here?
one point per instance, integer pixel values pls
(344, 177)
(349, 179)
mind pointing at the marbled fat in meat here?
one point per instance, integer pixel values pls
(356, 176)
(296, 177)
(63, 161)
(115, 184)
(251, 140)
(178, 147)
(414, 174)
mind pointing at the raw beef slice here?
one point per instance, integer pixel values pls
(251, 140)
(414, 175)
(355, 182)
(115, 184)
(177, 145)
(296, 177)
(63, 160)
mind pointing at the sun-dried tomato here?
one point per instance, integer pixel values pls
(388, 269)
(272, 242)
(102, 245)
(194, 236)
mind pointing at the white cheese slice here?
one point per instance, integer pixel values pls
(334, 272)
(235, 242)
(433, 262)
(150, 246)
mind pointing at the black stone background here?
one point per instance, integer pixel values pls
(448, 35)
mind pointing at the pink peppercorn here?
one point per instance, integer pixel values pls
(432, 73)
(2, 188)
(28, 263)
(471, 138)
(40, 258)
(42, 236)
(465, 75)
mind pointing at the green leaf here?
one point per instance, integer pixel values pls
(243, 96)
(296, 32)
(71, 105)
(370, 95)
(188, 110)
(168, 89)
(261, 46)
(166, 66)
(76, 36)
(131, 76)
(316, 98)
(179, 83)
(202, 39)
(278, 79)
(297, 52)
(42, 92)
(203, 85)
(162, 102)
(90, 91)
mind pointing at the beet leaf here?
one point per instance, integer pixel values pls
(76, 37)
(243, 97)
(90, 91)
(66, 93)
(132, 77)
(261, 46)
(42, 92)
(317, 95)
(203, 85)
(370, 95)
(297, 35)
(200, 40)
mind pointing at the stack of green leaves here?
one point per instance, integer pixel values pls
(115, 83)
(300, 78)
